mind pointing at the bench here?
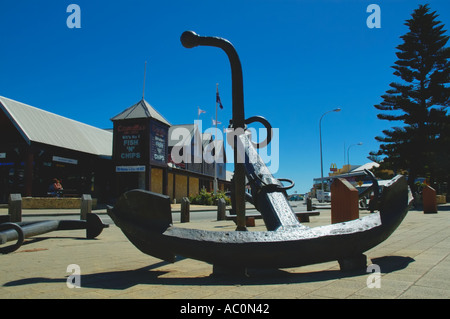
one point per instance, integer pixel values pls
(71, 193)
(53, 202)
(303, 217)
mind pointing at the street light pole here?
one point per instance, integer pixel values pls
(320, 138)
(348, 155)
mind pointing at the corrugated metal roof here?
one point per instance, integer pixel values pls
(40, 126)
(369, 165)
(141, 109)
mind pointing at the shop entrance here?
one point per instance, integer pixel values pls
(130, 180)
(11, 180)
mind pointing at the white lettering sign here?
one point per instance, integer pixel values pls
(130, 169)
(65, 160)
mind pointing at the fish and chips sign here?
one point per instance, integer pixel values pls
(139, 143)
(130, 143)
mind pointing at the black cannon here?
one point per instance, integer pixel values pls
(145, 217)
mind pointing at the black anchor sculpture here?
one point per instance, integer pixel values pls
(145, 217)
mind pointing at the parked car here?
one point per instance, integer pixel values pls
(326, 196)
(296, 197)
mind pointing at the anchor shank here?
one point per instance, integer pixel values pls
(190, 39)
(267, 192)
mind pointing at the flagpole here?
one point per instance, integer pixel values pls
(145, 74)
(215, 142)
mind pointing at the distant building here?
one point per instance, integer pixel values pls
(193, 171)
(37, 146)
(140, 146)
(353, 173)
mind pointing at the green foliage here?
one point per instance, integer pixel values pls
(206, 198)
(419, 101)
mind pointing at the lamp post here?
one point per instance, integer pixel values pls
(320, 138)
(348, 155)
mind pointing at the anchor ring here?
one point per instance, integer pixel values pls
(278, 187)
(268, 127)
(286, 187)
(20, 237)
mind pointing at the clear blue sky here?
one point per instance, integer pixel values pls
(300, 59)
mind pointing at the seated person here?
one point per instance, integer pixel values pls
(55, 189)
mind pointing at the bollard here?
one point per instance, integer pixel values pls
(86, 206)
(15, 208)
(250, 222)
(309, 204)
(344, 201)
(185, 210)
(429, 200)
(221, 209)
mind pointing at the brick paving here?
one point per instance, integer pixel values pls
(414, 263)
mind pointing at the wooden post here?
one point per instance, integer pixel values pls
(221, 209)
(185, 210)
(429, 200)
(344, 201)
(86, 206)
(250, 221)
(148, 171)
(309, 204)
(15, 208)
(28, 175)
(165, 181)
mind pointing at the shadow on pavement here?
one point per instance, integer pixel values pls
(150, 275)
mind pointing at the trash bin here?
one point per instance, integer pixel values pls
(344, 201)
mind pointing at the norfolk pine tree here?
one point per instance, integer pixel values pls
(419, 102)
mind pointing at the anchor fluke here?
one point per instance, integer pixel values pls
(143, 216)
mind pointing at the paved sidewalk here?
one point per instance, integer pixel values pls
(414, 263)
(176, 208)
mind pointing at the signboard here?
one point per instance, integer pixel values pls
(2, 155)
(65, 160)
(131, 142)
(130, 169)
(333, 167)
(158, 144)
(140, 142)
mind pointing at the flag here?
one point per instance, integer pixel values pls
(218, 99)
(200, 111)
(214, 123)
